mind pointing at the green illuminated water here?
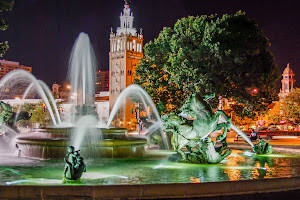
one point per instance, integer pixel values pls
(151, 169)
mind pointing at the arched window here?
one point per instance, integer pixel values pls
(134, 45)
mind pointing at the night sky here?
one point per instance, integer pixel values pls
(41, 33)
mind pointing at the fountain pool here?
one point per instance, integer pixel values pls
(153, 168)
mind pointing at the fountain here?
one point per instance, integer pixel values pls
(52, 142)
(133, 176)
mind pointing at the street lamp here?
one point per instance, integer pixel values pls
(254, 91)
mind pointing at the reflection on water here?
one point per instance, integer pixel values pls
(153, 168)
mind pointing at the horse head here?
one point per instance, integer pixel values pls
(195, 104)
(172, 120)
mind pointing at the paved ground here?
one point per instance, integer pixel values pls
(289, 144)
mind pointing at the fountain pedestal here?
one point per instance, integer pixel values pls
(49, 143)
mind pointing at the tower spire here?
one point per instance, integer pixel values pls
(288, 81)
(126, 21)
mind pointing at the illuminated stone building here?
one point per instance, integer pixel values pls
(59, 92)
(287, 82)
(7, 66)
(126, 50)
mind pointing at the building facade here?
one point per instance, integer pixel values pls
(7, 66)
(102, 81)
(287, 82)
(126, 50)
(59, 92)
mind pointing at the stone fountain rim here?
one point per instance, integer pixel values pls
(156, 191)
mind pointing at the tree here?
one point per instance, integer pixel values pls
(40, 114)
(4, 6)
(153, 77)
(228, 56)
(291, 106)
(275, 114)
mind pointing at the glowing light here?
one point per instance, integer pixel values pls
(248, 153)
(73, 96)
(167, 167)
(69, 87)
(17, 98)
(239, 167)
(36, 181)
(95, 175)
(276, 156)
(254, 91)
(234, 155)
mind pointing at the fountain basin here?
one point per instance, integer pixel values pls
(49, 143)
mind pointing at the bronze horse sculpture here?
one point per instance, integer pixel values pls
(192, 128)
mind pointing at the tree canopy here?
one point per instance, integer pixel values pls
(40, 114)
(291, 106)
(275, 114)
(228, 56)
(287, 108)
(4, 6)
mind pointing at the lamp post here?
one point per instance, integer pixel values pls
(68, 87)
(137, 116)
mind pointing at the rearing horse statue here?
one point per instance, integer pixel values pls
(198, 122)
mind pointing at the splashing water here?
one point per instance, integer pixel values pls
(17, 80)
(136, 92)
(82, 69)
(238, 131)
(82, 128)
(242, 134)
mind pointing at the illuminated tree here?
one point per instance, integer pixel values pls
(291, 106)
(39, 112)
(275, 114)
(228, 56)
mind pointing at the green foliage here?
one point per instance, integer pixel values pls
(275, 114)
(227, 56)
(5, 5)
(287, 108)
(153, 77)
(291, 106)
(25, 107)
(40, 114)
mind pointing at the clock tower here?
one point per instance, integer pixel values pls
(126, 50)
(287, 82)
